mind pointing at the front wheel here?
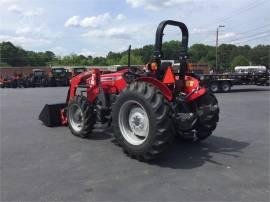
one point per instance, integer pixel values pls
(81, 116)
(141, 121)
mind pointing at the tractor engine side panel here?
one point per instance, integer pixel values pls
(113, 83)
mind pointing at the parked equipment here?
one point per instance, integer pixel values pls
(59, 76)
(224, 82)
(6, 82)
(38, 78)
(145, 107)
(11, 81)
(250, 69)
(76, 70)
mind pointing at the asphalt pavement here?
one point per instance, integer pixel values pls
(50, 164)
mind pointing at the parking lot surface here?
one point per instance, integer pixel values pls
(50, 164)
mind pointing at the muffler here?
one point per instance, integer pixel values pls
(52, 114)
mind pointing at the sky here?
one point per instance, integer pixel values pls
(95, 27)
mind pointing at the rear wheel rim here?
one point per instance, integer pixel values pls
(75, 117)
(133, 122)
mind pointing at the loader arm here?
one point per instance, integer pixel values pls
(74, 83)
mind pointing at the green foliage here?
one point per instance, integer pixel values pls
(260, 55)
(99, 61)
(12, 55)
(239, 60)
(134, 59)
(198, 52)
(16, 56)
(113, 58)
(171, 50)
(146, 53)
(229, 56)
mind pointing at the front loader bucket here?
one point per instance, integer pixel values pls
(51, 114)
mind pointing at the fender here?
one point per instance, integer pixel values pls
(161, 86)
(191, 84)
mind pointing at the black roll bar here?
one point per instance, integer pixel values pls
(159, 37)
(184, 45)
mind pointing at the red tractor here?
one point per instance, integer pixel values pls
(145, 107)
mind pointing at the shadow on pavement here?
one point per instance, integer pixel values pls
(182, 155)
(185, 155)
(100, 134)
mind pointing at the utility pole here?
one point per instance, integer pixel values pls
(220, 26)
(0, 56)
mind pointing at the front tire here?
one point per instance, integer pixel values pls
(81, 116)
(141, 121)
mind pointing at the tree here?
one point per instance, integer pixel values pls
(260, 55)
(16, 56)
(113, 58)
(146, 53)
(226, 53)
(198, 52)
(99, 61)
(239, 60)
(171, 50)
(134, 60)
(12, 55)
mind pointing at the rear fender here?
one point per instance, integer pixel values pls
(161, 86)
(192, 87)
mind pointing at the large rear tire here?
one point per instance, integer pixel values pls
(81, 116)
(141, 121)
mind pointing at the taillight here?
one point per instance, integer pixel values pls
(154, 66)
(189, 83)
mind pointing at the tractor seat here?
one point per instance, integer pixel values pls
(162, 70)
